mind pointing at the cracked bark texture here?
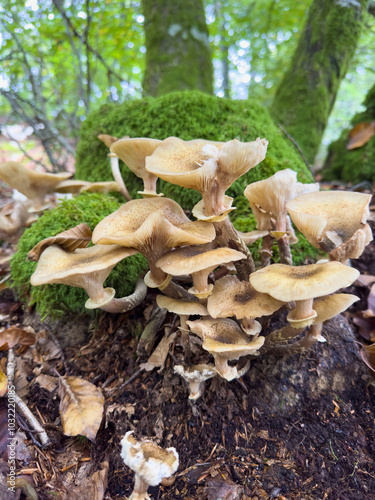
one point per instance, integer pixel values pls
(307, 93)
(178, 53)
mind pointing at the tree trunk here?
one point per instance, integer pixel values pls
(178, 53)
(306, 95)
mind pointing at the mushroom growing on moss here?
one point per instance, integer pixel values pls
(335, 221)
(86, 268)
(150, 463)
(153, 226)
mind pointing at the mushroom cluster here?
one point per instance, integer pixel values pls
(204, 267)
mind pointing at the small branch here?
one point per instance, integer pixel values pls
(21, 405)
(298, 148)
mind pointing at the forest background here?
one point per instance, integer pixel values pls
(59, 60)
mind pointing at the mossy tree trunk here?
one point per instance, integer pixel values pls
(178, 53)
(306, 95)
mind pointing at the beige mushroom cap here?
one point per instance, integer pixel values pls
(225, 337)
(329, 218)
(139, 223)
(85, 268)
(288, 283)
(192, 259)
(180, 307)
(232, 297)
(107, 139)
(34, 185)
(150, 462)
(330, 306)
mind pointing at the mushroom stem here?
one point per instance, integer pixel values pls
(178, 292)
(149, 183)
(284, 250)
(130, 302)
(313, 334)
(303, 314)
(184, 329)
(118, 177)
(227, 236)
(266, 252)
(140, 489)
(224, 370)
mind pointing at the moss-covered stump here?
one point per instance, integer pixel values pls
(355, 165)
(58, 300)
(188, 115)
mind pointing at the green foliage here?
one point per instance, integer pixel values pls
(57, 300)
(188, 115)
(355, 165)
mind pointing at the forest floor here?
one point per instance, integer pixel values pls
(229, 446)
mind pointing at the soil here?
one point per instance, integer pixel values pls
(298, 426)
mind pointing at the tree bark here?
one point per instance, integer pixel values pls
(178, 53)
(306, 95)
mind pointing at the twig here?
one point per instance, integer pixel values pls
(298, 148)
(133, 377)
(21, 405)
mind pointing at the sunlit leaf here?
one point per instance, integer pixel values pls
(360, 134)
(81, 407)
(3, 383)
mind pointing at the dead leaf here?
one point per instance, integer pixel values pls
(81, 407)
(158, 357)
(92, 487)
(225, 490)
(14, 335)
(76, 237)
(366, 326)
(23, 452)
(360, 134)
(3, 383)
(368, 356)
(46, 347)
(46, 382)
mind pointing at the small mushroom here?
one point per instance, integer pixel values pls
(196, 376)
(232, 297)
(115, 167)
(335, 221)
(35, 185)
(85, 268)
(150, 463)
(302, 284)
(153, 226)
(199, 263)
(133, 153)
(226, 341)
(268, 200)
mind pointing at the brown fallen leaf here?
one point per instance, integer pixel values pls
(92, 487)
(46, 382)
(14, 335)
(3, 383)
(360, 134)
(225, 490)
(158, 357)
(81, 407)
(76, 237)
(368, 356)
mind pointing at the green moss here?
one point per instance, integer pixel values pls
(356, 165)
(308, 90)
(188, 115)
(57, 300)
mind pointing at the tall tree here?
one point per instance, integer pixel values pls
(178, 53)
(306, 95)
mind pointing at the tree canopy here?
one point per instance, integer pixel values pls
(62, 59)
